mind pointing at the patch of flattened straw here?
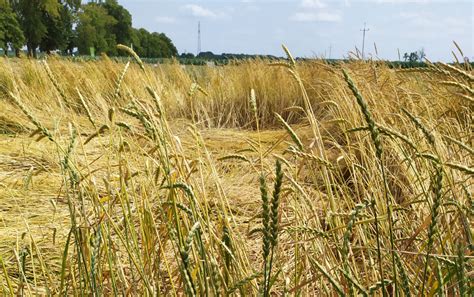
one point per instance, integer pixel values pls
(456, 70)
(97, 133)
(86, 108)
(468, 98)
(45, 132)
(53, 79)
(303, 155)
(290, 131)
(459, 85)
(234, 157)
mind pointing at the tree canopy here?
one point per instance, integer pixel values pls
(11, 34)
(67, 25)
(95, 30)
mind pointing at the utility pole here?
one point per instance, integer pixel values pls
(363, 40)
(330, 50)
(199, 39)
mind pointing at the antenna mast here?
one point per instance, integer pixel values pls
(199, 39)
(363, 40)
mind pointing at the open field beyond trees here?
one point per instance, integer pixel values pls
(298, 179)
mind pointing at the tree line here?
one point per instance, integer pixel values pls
(68, 26)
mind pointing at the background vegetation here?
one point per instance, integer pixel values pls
(64, 25)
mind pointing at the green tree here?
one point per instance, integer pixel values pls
(31, 15)
(154, 45)
(135, 41)
(413, 57)
(143, 45)
(95, 30)
(169, 50)
(11, 34)
(123, 27)
(60, 34)
(405, 56)
(421, 55)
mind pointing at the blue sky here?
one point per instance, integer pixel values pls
(312, 27)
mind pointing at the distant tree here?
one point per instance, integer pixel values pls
(421, 54)
(60, 33)
(207, 55)
(406, 56)
(169, 48)
(141, 44)
(153, 45)
(95, 29)
(135, 40)
(64, 24)
(187, 56)
(11, 34)
(31, 14)
(414, 57)
(123, 27)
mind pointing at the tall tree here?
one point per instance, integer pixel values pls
(154, 45)
(31, 15)
(123, 27)
(169, 48)
(95, 30)
(60, 34)
(11, 34)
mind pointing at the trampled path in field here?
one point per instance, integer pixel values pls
(34, 213)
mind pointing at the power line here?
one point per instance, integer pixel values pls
(363, 39)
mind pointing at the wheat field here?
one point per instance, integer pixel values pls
(255, 178)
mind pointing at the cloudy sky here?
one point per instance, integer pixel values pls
(312, 27)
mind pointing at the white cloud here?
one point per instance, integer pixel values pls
(409, 15)
(402, 1)
(312, 4)
(315, 11)
(199, 11)
(165, 20)
(316, 17)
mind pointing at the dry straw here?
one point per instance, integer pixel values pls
(146, 214)
(132, 53)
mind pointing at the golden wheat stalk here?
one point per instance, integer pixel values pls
(120, 79)
(132, 53)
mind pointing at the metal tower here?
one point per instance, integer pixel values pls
(363, 40)
(199, 39)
